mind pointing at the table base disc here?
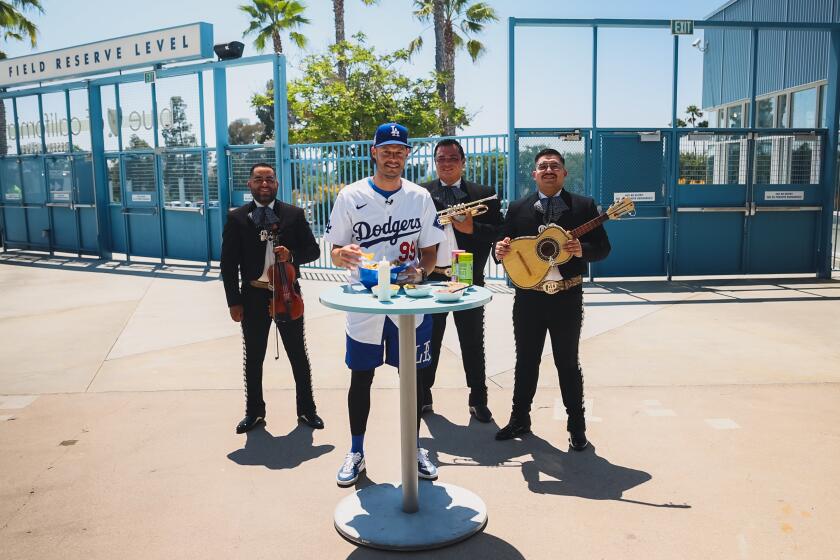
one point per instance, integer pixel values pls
(373, 517)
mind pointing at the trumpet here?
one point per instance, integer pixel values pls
(459, 211)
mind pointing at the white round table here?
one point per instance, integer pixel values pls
(432, 514)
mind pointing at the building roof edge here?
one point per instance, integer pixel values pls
(720, 9)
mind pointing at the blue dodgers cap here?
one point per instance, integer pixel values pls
(391, 133)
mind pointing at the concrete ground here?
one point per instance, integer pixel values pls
(712, 411)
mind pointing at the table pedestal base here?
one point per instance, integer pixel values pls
(373, 517)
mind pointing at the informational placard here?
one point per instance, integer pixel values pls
(647, 196)
(186, 42)
(141, 197)
(12, 196)
(247, 197)
(60, 195)
(784, 195)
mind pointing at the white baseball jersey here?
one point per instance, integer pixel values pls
(394, 228)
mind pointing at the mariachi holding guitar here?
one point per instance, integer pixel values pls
(532, 256)
(548, 239)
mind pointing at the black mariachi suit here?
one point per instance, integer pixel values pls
(243, 255)
(561, 314)
(469, 323)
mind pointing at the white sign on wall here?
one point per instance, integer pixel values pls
(141, 197)
(635, 196)
(784, 195)
(186, 42)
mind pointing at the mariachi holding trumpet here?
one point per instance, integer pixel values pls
(471, 215)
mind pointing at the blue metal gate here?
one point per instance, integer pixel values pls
(123, 164)
(634, 164)
(711, 201)
(749, 201)
(46, 175)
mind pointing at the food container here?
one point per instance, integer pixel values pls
(444, 295)
(418, 290)
(395, 289)
(369, 273)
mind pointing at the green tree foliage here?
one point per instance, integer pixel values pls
(456, 22)
(693, 113)
(15, 26)
(323, 108)
(137, 143)
(270, 18)
(338, 10)
(243, 132)
(179, 133)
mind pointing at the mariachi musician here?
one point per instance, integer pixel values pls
(555, 305)
(255, 236)
(474, 235)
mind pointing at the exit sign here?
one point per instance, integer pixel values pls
(149, 77)
(682, 27)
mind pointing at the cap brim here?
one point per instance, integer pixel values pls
(387, 142)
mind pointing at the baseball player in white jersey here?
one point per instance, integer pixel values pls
(395, 219)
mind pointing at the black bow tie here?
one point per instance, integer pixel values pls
(263, 216)
(551, 208)
(450, 196)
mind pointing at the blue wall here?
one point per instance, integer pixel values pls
(786, 59)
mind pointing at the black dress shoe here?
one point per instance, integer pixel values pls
(248, 423)
(578, 441)
(515, 428)
(481, 413)
(312, 420)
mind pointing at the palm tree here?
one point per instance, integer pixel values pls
(338, 9)
(14, 25)
(270, 17)
(449, 17)
(693, 113)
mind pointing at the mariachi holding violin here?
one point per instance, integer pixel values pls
(263, 243)
(286, 303)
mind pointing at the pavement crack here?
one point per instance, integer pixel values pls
(119, 335)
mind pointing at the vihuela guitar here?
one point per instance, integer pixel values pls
(531, 257)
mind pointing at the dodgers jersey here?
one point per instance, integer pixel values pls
(395, 228)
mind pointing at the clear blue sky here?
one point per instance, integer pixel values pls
(554, 65)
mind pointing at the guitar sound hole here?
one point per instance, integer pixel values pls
(548, 249)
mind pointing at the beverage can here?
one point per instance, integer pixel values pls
(465, 268)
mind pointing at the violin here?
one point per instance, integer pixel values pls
(286, 304)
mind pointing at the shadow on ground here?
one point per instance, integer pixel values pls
(278, 452)
(482, 545)
(566, 473)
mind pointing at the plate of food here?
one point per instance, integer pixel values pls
(451, 291)
(418, 290)
(395, 289)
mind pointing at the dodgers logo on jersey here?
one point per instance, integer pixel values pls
(368, 235)
(437, 222)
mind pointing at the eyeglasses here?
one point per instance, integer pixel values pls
(551, 166)
(450, 159)
(263, 179)
(393, 154)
